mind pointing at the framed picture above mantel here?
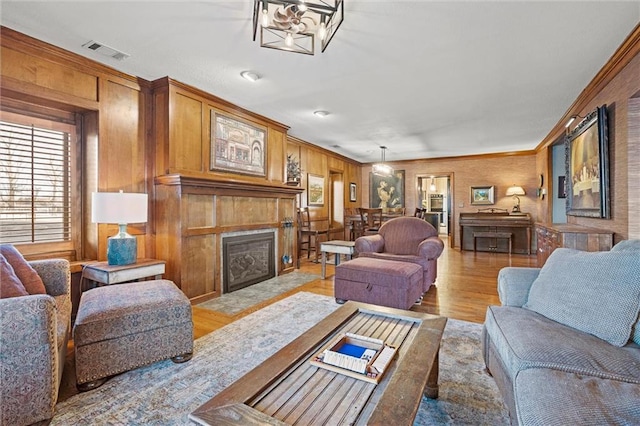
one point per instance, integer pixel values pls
(587, 166)
(237, 146)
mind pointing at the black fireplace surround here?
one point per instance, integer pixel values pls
(247, 260)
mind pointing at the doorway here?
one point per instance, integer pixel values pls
(336, 204)
(435, 195)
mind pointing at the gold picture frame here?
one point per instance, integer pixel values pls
(482, 195)
(237, 146)
(315, 190)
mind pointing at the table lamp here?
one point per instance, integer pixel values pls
(514, 191)
(121, 208)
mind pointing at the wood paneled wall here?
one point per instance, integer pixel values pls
(317, 161)
(114, 110)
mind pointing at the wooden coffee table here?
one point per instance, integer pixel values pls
(286, 388)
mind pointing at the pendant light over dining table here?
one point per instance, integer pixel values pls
(382, 169)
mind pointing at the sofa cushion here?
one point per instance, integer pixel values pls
(595, 292)
(10, 285)
(575, 400)
(27, 275)
(632, 246)
(525, 339)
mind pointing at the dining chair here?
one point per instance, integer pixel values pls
(371, 220)
(308, 236)
(353, 221)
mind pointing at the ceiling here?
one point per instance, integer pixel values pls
(424, 78)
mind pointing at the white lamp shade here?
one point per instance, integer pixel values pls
(515, 190)
(118, 207)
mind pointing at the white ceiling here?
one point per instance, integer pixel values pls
(424, 78)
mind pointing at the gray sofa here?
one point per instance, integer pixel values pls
(564, 346)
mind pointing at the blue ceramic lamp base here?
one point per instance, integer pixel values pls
(122, 249)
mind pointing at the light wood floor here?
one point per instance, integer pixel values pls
(466, 285)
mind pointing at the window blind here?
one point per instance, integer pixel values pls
(35, 178)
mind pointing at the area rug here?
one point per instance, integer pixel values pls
(242, 299)
(165, 393)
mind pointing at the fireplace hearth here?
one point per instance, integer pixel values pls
(247, 260)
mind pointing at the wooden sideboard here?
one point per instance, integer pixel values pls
(550, 236)
(519, 226)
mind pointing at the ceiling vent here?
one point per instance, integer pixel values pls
(106, 50)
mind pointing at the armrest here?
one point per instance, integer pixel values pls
(514, 285)
(431, 248)
(55, 274)
(370, 243)
(29, 354)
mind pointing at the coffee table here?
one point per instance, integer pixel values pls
(338, 247)
(286, 388)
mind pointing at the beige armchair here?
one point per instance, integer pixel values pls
(407, 239)
(33, 339)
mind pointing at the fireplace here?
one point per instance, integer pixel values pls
(247, 259)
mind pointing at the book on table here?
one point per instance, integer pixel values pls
(361, 357)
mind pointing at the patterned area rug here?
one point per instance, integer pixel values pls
(242, 299)
(165, 393)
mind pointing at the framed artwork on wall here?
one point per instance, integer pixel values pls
(587, 167)
(482, 195)
(315, 190)
(386, 192)
(352, 192)
(237, 146)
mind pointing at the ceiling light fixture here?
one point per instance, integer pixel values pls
(382, 169)
(293, 25)
(250, 75)
(432, 187)
(321, 114)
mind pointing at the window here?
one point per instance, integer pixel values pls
(36, 169)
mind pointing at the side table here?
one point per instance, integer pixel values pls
(338, 247)
(105, 274)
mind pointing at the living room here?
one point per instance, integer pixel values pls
(155, 137)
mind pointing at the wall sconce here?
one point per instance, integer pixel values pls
(514, 191)
(121, 208)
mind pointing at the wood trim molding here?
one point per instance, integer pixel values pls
(14, 39)
(219, 185)
(620, 58)
(463, 157)
(308, 145)
(217, 102)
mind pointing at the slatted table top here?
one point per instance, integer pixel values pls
(287, 389)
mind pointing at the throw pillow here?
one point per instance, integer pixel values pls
(10, 285)
(25, 273)
(594, 292)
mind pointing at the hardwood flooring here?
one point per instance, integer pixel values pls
(466, 285)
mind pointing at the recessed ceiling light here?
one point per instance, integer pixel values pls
(250, 75)
(321, 113)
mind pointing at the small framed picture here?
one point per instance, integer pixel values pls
(315, 190)
(482, 195)
(352, 192)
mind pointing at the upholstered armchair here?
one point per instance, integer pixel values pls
(408, 239)
(33, 340)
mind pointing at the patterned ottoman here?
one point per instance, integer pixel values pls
(125, 326)
(380, 282)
